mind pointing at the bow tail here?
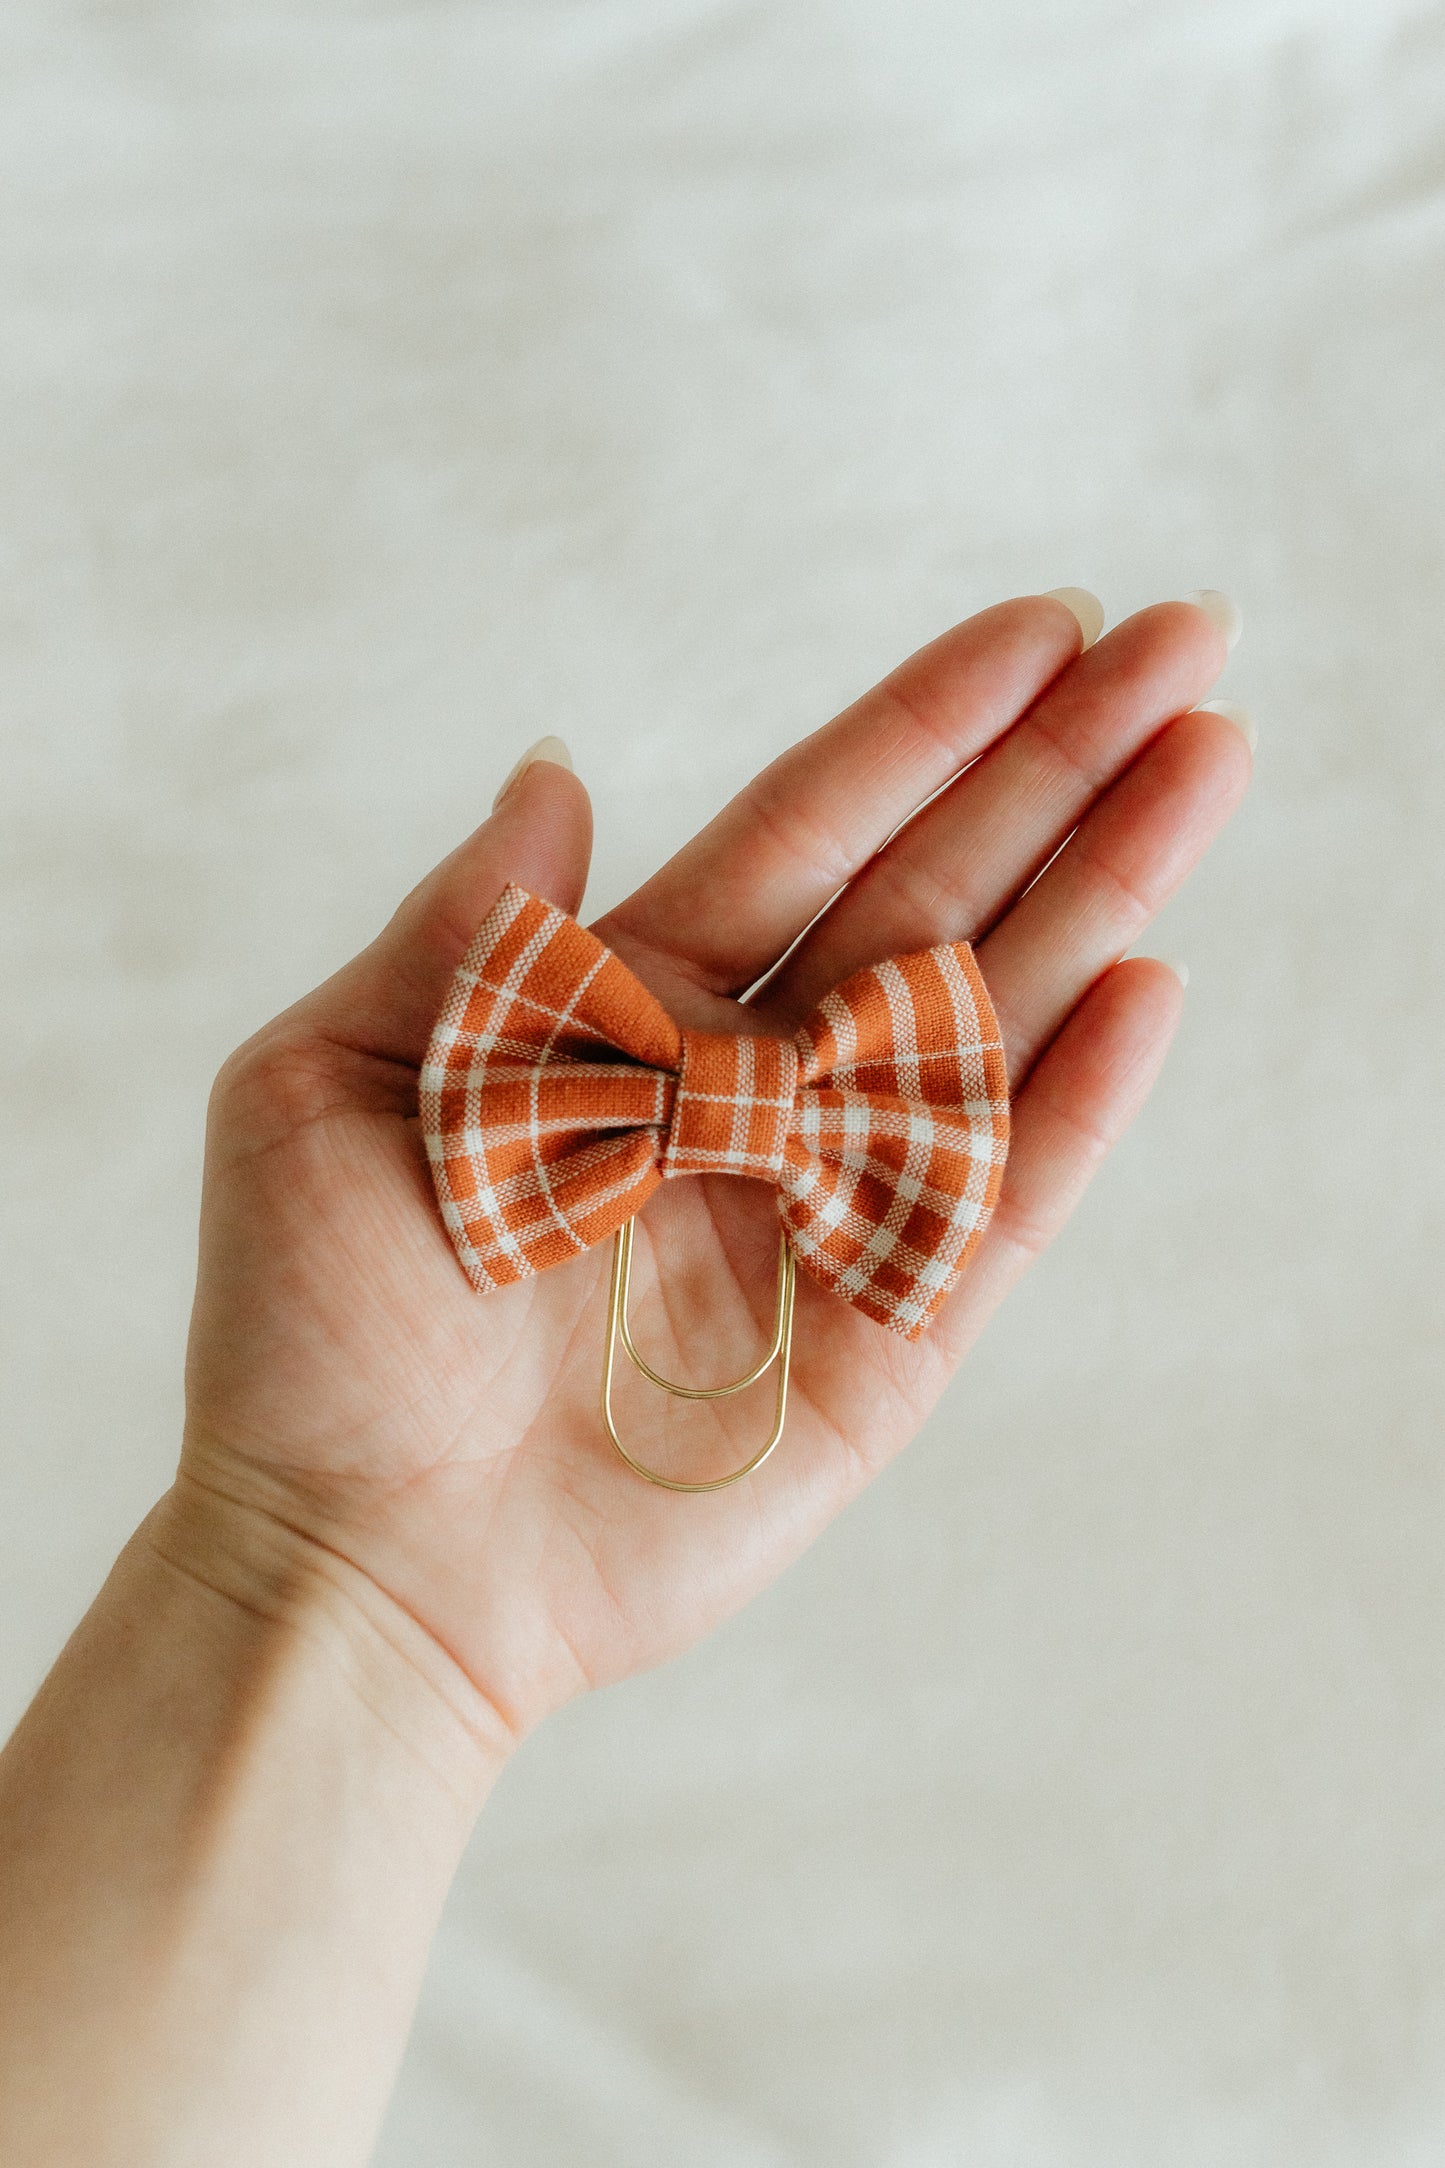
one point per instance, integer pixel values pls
(509, 1226)
(885, 1199)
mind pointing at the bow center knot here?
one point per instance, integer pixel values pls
(733, 1107)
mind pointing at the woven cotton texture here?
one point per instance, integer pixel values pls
(557, 1093)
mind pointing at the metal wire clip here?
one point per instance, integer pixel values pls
(780, 1353)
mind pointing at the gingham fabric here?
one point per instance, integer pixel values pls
(557, 1093)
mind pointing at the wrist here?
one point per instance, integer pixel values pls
(303, 1603)
(228, 1824)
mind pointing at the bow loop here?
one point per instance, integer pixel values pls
(557, 1092)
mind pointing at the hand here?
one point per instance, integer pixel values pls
(347, 1387)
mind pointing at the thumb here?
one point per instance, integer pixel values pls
(385, 1001)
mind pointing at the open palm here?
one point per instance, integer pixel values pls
(344, 1379)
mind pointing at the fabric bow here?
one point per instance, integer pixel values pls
(557, 1093)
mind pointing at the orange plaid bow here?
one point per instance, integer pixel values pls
(557, 1093)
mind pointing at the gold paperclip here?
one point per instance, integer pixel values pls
(780, 1353)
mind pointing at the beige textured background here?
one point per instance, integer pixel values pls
(381, 386)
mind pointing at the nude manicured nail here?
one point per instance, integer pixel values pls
(1181, 971)
(1241, 718)
(1219, 610)
(551, 749)
(1087, 608)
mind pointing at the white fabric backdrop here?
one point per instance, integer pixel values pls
(381, 386)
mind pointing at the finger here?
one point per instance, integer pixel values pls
(1079, 1101)
(385, 1001)
(1121, 865)
(951, 871)
(728, 905)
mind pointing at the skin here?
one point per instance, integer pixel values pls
(397, 1538)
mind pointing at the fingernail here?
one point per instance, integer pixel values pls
(1181, 971)
(1219, 610)
(545, 749)
(1087, 608)
(1232, 712)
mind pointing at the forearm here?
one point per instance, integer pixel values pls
(227, 1826)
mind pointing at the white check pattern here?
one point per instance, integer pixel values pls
(557, 1093)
